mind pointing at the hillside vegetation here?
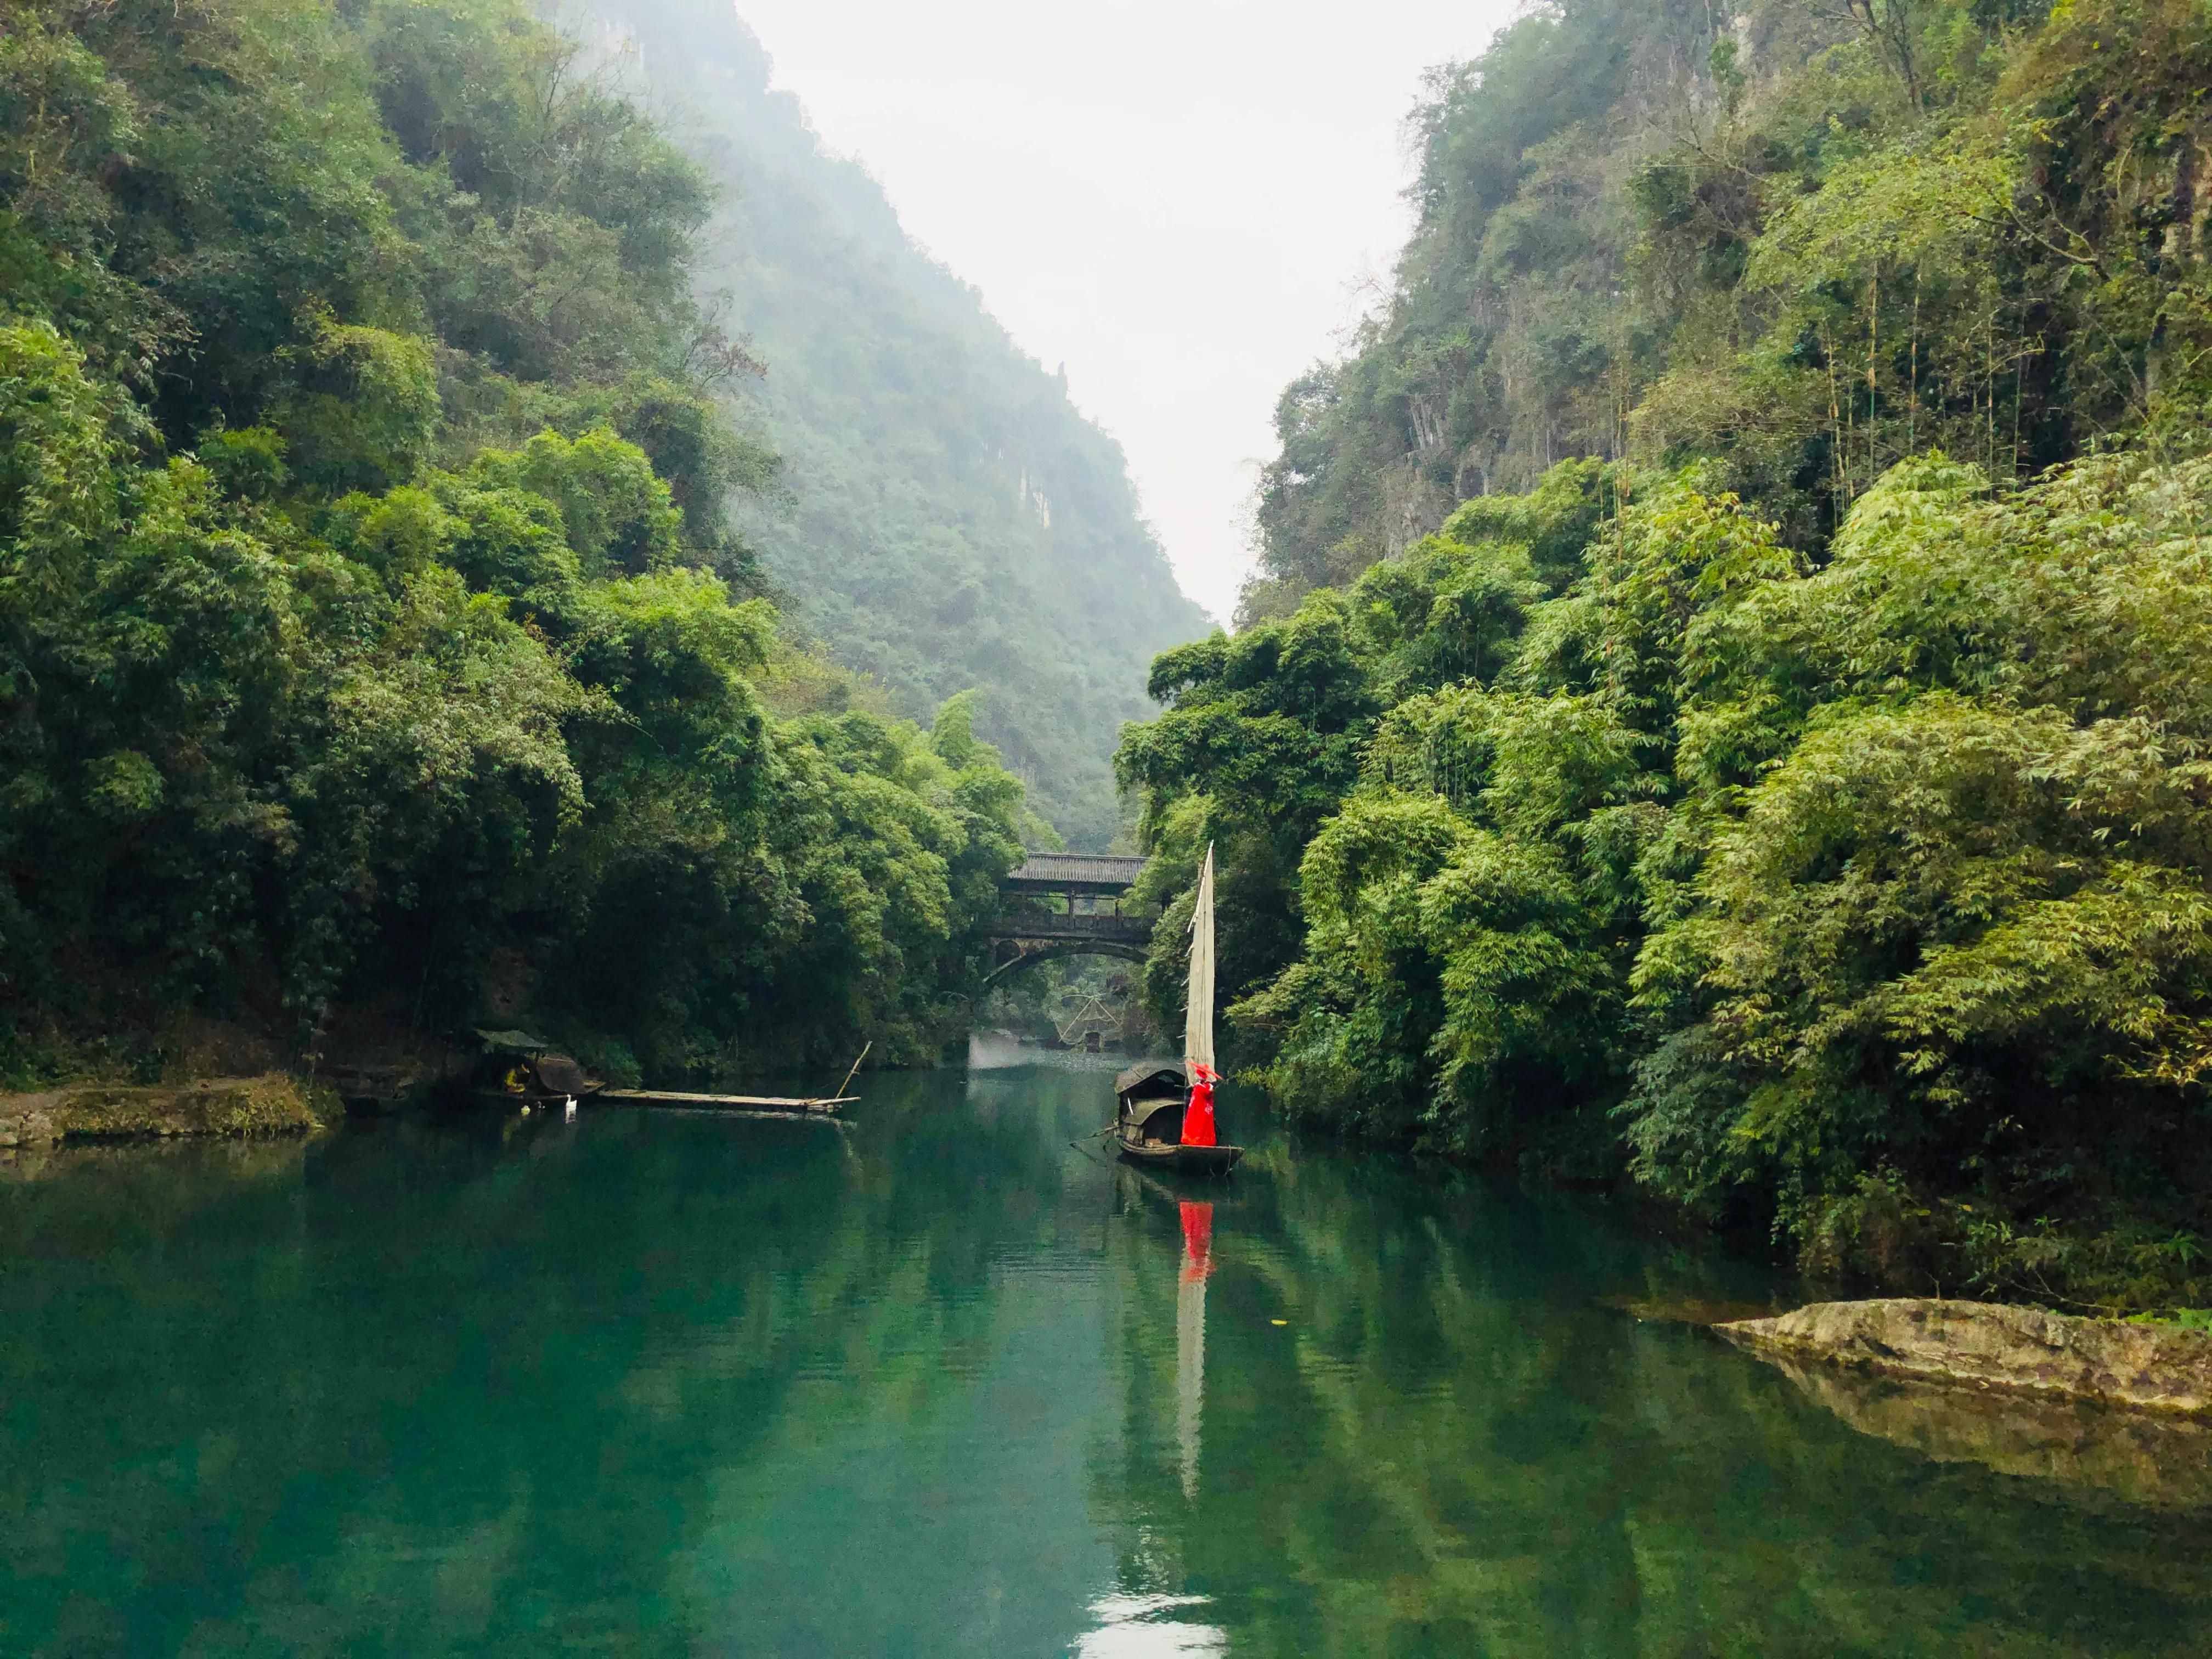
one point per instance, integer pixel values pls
(371, 623)
(1723, 703)
(944, 518)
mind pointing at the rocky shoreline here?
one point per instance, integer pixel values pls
(1994, 1346)
(272, 1104)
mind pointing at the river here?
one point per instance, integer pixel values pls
(945, 1383)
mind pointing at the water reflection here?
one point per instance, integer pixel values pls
(2075, 1451)
(1190, 1335)
(1142, 1626)
(956, 1383)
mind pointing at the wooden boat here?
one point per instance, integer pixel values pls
(517, 1069)
(1148, 1128)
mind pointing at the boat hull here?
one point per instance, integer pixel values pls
(1183, 1160)
(534, 1097)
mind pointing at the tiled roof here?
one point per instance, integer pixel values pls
(1095, 868)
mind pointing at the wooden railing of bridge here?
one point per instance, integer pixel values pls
(1059, 904)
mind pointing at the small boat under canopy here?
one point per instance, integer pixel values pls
(516, 1068)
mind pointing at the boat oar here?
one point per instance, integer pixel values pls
(855, 1071)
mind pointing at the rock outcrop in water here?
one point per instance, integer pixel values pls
(1989, 1345)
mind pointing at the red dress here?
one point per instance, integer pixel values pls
(1198, 1115)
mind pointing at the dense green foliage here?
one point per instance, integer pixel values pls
(1811, 239)
(368, 614)
(1803, 815)
(948, 519)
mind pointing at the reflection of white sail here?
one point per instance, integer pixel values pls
(1148, 1626)
(1190, 1373)
(1198, 1019)
(1190, 1334)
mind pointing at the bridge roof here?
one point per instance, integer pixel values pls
(1058, 870)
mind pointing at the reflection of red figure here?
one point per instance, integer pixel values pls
(1198, 1115)
(1197, 1241)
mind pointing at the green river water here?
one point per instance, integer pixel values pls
(655, 1383)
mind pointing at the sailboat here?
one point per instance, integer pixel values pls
(1166, 1118)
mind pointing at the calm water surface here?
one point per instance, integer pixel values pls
(653, 1383)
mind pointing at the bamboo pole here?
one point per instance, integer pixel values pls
(1874, 349)
(850, 1075)
(1912, 420)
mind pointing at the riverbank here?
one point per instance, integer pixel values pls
(119, 1066)
(271, 1104)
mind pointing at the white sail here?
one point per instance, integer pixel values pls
(1198, 1020)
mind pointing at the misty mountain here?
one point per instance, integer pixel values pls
(943, 516)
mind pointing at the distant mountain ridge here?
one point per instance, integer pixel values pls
(945, 518)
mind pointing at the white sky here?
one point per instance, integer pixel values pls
(1185, 201)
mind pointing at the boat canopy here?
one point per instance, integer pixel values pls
(1170, 1073)
(1163, 1122)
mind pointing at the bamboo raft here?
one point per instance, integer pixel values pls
(819, 1108)
(762, 1105)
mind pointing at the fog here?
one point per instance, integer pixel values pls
(1185, 201)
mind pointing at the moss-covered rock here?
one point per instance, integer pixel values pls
(270, 1104)
(1983, 1345)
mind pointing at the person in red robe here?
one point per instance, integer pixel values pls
(1198, 1115)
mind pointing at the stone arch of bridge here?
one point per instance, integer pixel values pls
(1057, 948)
